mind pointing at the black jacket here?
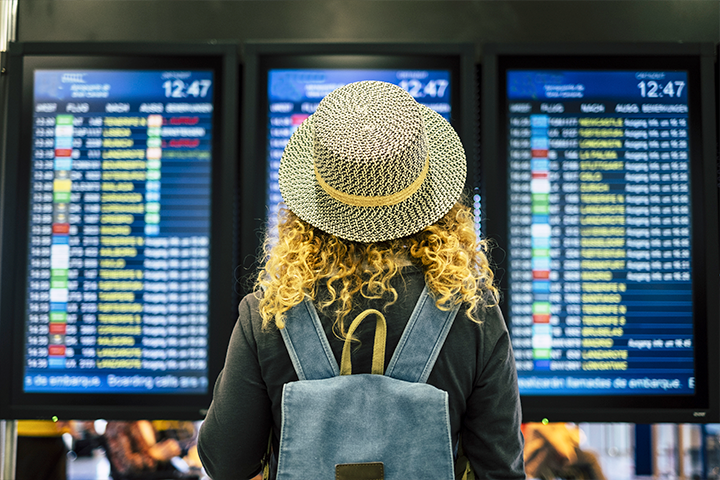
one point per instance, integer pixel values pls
(475, 366)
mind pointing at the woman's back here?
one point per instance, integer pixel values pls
(475, 367)
(371, 182)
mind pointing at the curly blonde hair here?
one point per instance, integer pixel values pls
(453, 260)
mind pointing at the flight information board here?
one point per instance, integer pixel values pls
(118, 258)
(599, 203)
(294, 94)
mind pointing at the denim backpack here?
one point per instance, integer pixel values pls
(367, 426)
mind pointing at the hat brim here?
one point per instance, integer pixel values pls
(436, 196)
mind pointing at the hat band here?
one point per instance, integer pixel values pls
(378, 201)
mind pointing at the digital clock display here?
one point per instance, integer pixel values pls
(180, 89)
(653, 89)
(422, 89)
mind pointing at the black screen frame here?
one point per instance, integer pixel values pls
(698, 60)
(223, 61)
(259, 57)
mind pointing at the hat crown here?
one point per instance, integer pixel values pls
(369, 139)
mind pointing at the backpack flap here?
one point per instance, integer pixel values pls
(396, 419)
(361, 419)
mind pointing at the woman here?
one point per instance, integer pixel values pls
(372, 182)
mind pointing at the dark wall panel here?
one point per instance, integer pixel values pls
(370, 20)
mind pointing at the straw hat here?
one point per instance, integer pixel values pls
(372, 164)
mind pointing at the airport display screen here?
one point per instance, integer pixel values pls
(294, 94)
(119, 231)
(600, 231)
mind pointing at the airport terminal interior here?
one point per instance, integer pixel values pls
(140, 147)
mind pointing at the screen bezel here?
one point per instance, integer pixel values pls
(24, 58)
(261, 57)
(697, 60)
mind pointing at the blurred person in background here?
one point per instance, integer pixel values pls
(41, 450)
(553, 450)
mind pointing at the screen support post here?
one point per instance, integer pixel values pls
(9, 449)
(8, 28)
(8, 25)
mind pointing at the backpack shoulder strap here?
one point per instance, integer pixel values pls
(307, 344)
(421, 341)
